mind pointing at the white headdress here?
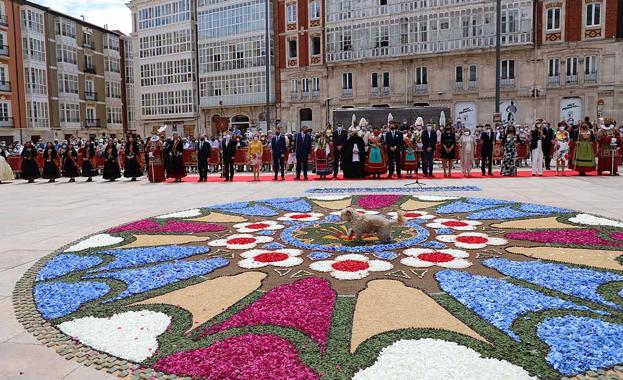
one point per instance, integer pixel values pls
(419, 122)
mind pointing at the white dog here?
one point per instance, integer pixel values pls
(372, 224)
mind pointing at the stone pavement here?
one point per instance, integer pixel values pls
(38, 219)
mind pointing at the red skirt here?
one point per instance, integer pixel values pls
(155, 171)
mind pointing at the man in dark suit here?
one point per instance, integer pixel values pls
(203, 154)
(487, 137)
(228, 147)
(339, 140)
(278, 147)
(395, 144)
(302, 148)
(548, 139)
(429, 144)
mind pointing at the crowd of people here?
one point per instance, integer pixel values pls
(357, 151)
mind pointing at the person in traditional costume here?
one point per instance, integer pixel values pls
(324, 164)
(536, 147)
(375, 162)
(448, 150)
(176, 167)
(468, 150)
(111, 162)
(132, 167)
(509, 158)
(609, 138)
(155, 162)
(394, 142)
(70, 163)
(29, 168)
(409, 155)
(583, 150)
(51, 170)
(561, 148)
(354, 154)
(6, 173)
(548, 140)
(255, 152)
(88, 161)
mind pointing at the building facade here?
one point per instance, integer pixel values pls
(302, 76)
(65, 75)
(232, 62)
(164, 64)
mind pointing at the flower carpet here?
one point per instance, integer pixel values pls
(277, 289)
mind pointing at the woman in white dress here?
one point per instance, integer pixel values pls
(468, 147)
(6, 173)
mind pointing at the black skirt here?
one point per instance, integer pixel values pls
(50, 170)
(70, 169)
(448, 155)
(30, 169)
(176, 167)
(111, 170)
(132, 168)
(87, 169)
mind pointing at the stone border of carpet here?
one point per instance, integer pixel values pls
(390, 190)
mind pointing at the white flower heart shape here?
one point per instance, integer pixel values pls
(131, 335)
(95, 241)
(181, 214)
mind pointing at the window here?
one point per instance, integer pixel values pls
(315, 84)
(421, 76)
(88, 39)
(590, 65)
(305, 85)
(385, 79)
(89, 87)
(32, 21)
(553, 69)
(33, 49)
(66, 54)
(314, 9)
(69, 112)
(508, 69)
(88, 62)
(35, 81)
(65, 27)
(113, 115)
(37, 114)
(374, 80)
(294, 86)
(291, 13)
(167, 102)
(458, 74)
(113, 89)
(4, 75)
(347, 81)
(510, 21)
(572, 66)
(5, 111)
(164, 14)
(67, 83)
(292, 50)
(167, 72)
(593, 14)
(346, 41)
(553, 19)
(112, 64)
(164, 44)
(111, 42)
(91, 114)
(315, 45)
(473, 73)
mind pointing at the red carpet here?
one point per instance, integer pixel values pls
(246, 177)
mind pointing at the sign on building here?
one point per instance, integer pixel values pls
(571, 110)
(509, 110)
(466, 114)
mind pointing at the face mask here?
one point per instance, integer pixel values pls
(429, 128)
(561, 128)
(466, 133)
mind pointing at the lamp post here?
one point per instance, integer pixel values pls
(267, 68)
(498, 35)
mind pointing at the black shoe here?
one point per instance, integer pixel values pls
(31, 181)
(283, 178)
(305, 178)
(133, 179)
(90, 179)
(274, 178)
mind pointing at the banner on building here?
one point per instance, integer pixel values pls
(466, 114)
(571, 110)
(509, 110)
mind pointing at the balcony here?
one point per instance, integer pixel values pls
(6, 122)
(305, 95)
(421, 88)
(507, 82)
(315, 94)
(590, 77)
(472, 85)
(88, 95)
(89, 69)
(39, 124)
(4, 21)
(92, 123)
(572, 79)
(4, 50)
(294, 95)
(88, 45)
(5, 86)
(374, 91)
(347, 92)
(459, 86)
(385, 91)
(553, 80)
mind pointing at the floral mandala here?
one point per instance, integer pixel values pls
(277, 289)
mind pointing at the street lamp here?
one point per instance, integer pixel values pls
(498, 33)
(267, 68)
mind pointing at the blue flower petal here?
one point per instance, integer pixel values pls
(289, 204)
(497, 301)
(230, 206)
(460, 207)
(444, 231)
(125, 258)
(542, 210)
(385, 255)
(487, 201)
(579, 282)
(62, 264)
(273, 246)
(256, 210)
(266, 232)
(142, 280)
(579, 344)
(57, 299)
(499, 213)
(316, 255)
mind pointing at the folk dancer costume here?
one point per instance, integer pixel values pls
(509, 158)
(255, 151)
(155, 168)
(468, 149)
(376, 161)
(132, 167)
(561, 148)
(607, 136)
(6, 173)
(88, 161)
(29, 167)
(448, 150)
(111, 163)
(409, 155)
(50, 164)
(324, 162)
(583, 151)
(176, 167)
(354, 154)
(70, 163)
(537, 147)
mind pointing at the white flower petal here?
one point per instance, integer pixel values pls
(218, 243)
(251, 264)
(95, 241)
(328, 197)
(379, 265)
(322, 266)
(455, 264)
(181, 214)
(434, 198)
(455, 252)
(446, 238)
(344, 275)
(352, 256)
(496, 241)
(289, 262)
(417, 263)
(591, 220)
(470, 246)
(417, 251)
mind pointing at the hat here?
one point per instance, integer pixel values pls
(162, 129)
(154, 138)
(363, 122)
(419, 122)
